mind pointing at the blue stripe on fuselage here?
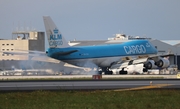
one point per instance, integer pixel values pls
(130, 48)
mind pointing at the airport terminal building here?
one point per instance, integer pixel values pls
(21, 41)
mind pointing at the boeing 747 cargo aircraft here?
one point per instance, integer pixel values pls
(104, 56)
(123, 57)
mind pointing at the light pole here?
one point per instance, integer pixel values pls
(176, 57)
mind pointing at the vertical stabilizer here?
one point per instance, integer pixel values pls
(55, 38)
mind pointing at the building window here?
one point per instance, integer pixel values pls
(2, 54)
(11, 49)
(12, 44)
(7, 44)
(2, 49)
(7, 49)
(3, 44)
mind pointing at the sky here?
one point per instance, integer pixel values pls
(94, 19)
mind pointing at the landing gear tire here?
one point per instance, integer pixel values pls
(100, 72)
(123, 72)
(106, 71)
(145, 70)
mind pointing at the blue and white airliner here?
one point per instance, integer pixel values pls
(122, 58)
(104, 56)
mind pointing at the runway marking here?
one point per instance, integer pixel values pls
(145, 87)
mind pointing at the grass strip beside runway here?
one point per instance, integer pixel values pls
(141, 99)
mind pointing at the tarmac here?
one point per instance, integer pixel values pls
(90, 76)
(116, 85)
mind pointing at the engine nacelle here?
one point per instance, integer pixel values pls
(150, 64)
(163, 63)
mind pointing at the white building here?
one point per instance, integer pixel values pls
(21, 40)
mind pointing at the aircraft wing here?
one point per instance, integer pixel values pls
(144, 58)
(163, 56)
(133, 64)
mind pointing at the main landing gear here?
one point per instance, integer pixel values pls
(122, 72)
(106, 71)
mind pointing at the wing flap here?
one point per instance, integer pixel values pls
(140, 60)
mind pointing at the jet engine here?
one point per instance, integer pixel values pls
(163, 63)
(150, 64)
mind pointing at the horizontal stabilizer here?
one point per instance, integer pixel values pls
(64, 53)
(31, 51)
(25, 53)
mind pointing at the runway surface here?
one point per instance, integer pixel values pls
(116, 85)
(89, 76)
